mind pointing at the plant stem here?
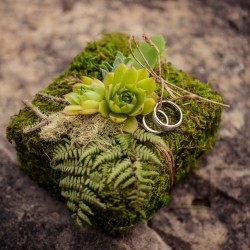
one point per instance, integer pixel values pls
(38, 113)
(54, 98)
(35, 110)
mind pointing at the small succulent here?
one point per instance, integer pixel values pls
(128, 93)
(125, 93)
(120, 58)
(85, 98)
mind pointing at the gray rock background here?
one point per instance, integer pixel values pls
(210, 39)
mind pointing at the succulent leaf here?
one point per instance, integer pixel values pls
(130, 125)
(86, 80)
(119, 72)
(142, 74)
(148, 84)
(104, 109)
(72, 110)
(117, 118)
(130, 76)
(114, 107)
(108, 79)
(73, 98)
(149, 104)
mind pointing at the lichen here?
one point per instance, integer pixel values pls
(195, 136)
(80, 129)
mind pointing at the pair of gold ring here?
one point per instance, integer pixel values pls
(164, 126)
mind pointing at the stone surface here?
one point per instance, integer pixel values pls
(210, 39)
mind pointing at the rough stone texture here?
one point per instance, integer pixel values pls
(211, 208)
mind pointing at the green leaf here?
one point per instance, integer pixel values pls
(91, 95)
(73, 98)
(109, 78)
(140, 103)
(88, 111)
(119, 72)
(142, 74)
(130, 125)
(72, 109)
(115, 87)
(90, 104)
(149, 52)
(114, 107)
(98, 87)
(86, 80)
(149, 105)
(117, 118)
(104, 109)
(147, 84)
(127, 108)
(129, 77)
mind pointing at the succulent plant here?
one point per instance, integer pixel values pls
(125, 93)
(85, 98)
(128, 93)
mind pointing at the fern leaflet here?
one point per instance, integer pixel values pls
(120, 167)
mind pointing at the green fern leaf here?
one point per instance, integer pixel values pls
(149, 173)
(146, 154)
(91, 198)
(123, 176)
(110, 155)
(129, 182)
(120, 167)
(71, 206)
(124, 140)
(83, 217)
(90, 150)
(85, 208)
(144, 136)
(145, 188)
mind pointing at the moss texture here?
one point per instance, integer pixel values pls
(195, 136)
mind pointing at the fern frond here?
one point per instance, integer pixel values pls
(129, 182)
(110, 155)
(120, 167)
(88, 161)
(145, 188)
(94, 182)
(124, 140)
(85, 208)
(149, 173)
(77, 219)
(72, 183)
(146, 154)
(62, 152)
(70, 167)
(91, 198)
(83, 216)
(71, 206)
(71, 195)
(90, 150)
(106, 168)
(141, 212)
(143, 136)
(123, 176)
(135, 199)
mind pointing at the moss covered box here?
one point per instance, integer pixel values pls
(108, 176)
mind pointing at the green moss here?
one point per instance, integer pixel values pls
(195, 136)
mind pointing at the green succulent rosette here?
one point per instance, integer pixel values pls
(85, 98)
(125, 93)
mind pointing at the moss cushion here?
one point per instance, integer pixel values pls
(126, 178)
